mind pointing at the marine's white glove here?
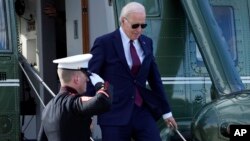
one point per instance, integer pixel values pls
(95, 78)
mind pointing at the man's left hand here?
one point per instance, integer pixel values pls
(171, 123)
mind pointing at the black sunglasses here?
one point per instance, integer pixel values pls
(134, 26)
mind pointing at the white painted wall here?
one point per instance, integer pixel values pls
(101, 18)
(73, 13)
(101, 21)
(28, 37)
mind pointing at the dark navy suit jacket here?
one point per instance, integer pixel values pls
(110, 63)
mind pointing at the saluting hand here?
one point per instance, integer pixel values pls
(95, 78)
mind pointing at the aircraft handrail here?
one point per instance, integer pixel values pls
(31, 84)
(22, 61)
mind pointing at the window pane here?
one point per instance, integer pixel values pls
(3, 27)
(225, 19)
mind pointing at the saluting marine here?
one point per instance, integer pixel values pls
(67, 117)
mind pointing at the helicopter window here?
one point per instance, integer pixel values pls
(152, 6)
(3, 27)
(225, 18)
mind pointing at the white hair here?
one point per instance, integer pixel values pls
(131, 7)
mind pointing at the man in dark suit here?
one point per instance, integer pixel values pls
(125, 59)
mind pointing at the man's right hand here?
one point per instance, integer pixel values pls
(95, 78)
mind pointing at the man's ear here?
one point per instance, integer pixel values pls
(123, 20)
(76, 79)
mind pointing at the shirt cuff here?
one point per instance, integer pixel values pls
(167, 115)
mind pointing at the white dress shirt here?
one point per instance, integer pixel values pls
(126, 48)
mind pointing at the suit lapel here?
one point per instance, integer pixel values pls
(145, 47)
(119, 49)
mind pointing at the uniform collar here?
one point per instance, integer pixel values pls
(68, 89)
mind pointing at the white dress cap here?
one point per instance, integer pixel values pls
(75, 62)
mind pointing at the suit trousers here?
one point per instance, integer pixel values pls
(141, 127)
